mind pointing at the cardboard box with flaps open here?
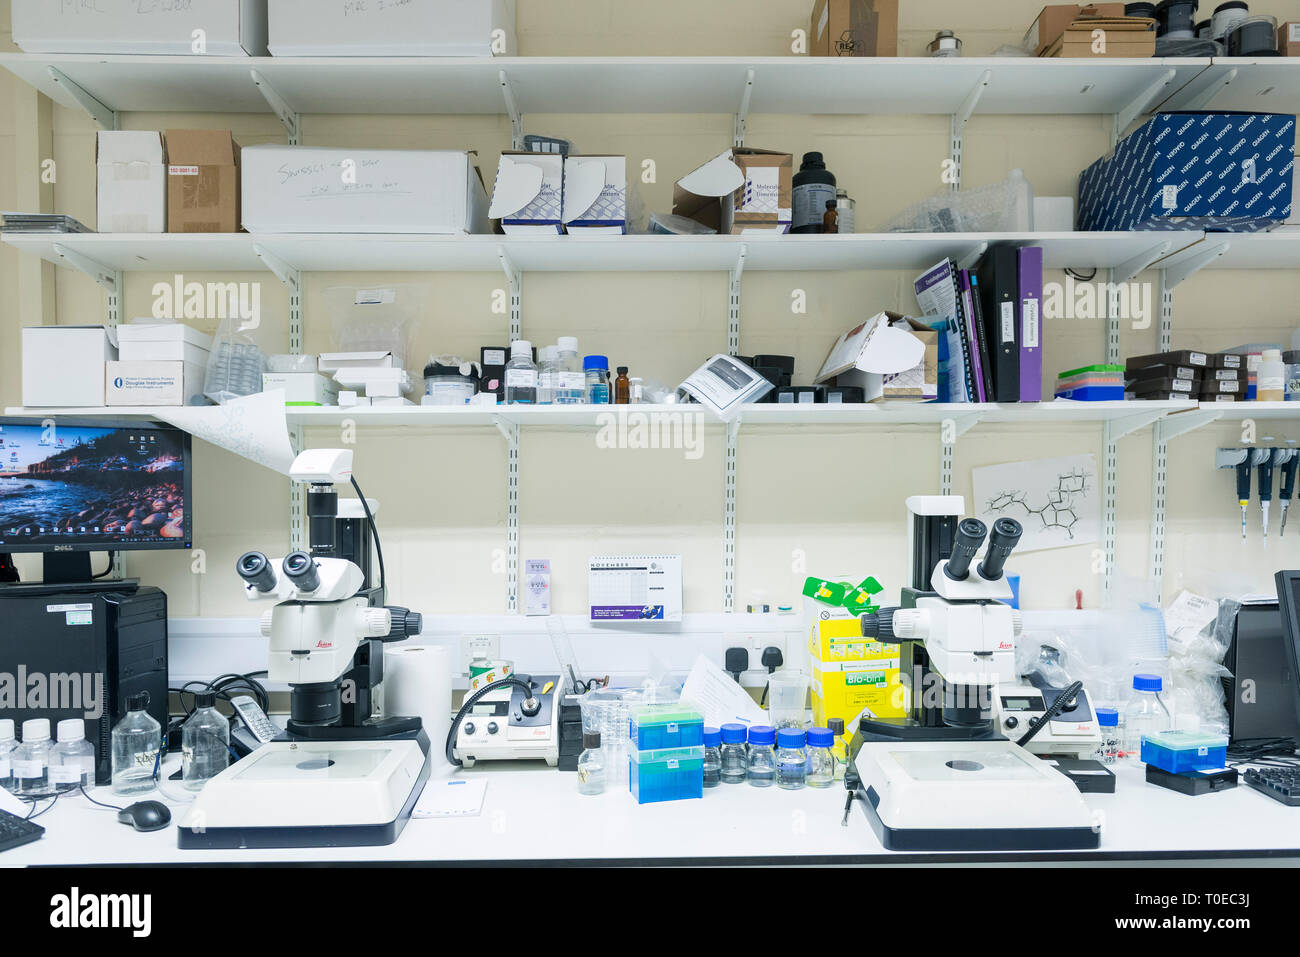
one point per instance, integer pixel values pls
(889, 357)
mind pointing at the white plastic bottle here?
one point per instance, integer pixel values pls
(72, 760)
(1145, 715)
(571, 380)
(521, 374)
(7, 745)
(31, 760)
(547, 368)
(1270, 380)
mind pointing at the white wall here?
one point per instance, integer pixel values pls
(833, 497)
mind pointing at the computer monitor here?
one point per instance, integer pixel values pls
(1288, 600)
(70, 487)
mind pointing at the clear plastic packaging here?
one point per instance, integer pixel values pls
(376, 319)
(236, 364)
(1005, 207)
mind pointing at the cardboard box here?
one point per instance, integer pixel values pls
(302, 388)
(595, 195)
(854, 28)
(889, 357)
(377, 28)
(528, 193)
(1288, 38)
(231, 27)
(130, 169)
(850, 674)
(169, 341)
(1133, 37)
(298, 189)
(202, 181)
(1187, 171)
(153, 383)
(1056, 18)
(64, 365)
(739, 191)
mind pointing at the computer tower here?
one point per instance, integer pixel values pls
(78, 654)
(1263, 696)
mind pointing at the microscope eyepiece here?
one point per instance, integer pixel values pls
(969, 538)
(300, 569)
(1002, 539)
(256, 570)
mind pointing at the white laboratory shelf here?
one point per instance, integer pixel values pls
(1278, 249)
(320, 252)
(1255, 84)
(413, 85)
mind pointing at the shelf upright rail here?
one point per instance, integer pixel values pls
(730, 454)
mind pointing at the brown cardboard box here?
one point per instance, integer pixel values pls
(854, 28)
(740, 190)
(1057, 18)
(202, 182)
(1124, 37)
(1288, 38)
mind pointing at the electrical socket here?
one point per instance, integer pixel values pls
(755, 643)
(479, 646)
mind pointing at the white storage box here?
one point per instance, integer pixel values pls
(528, 194)
(295, 189)
(152, 383)
(374, 28)
(231, 27)
(64, 365)
(595, 195)
(168, 341)
(131, 175)
(302, 388)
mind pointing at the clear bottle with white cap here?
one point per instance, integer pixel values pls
(521, 374)
(72, 760)
(570, 379)
(547, 369)
(31, 760)
(7, 746)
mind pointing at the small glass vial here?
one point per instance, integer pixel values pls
(791, 759)
(1108, 723)
(712, 757)
(1292, 360)
(596, 371)
(31, 760)
(622, 388)
(205, 743)
(836, 726)
(831, 218)
(821, 759)
(7, 746)
(762, 756)
(735, 759)
(844, 212)
(72, 760)
(637, 386)
(137, 740)
(591, 765)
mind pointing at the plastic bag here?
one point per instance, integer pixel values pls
(237, 362)
(376, 318)
(1005, 207)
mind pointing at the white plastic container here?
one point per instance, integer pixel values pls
(409, 28)
(1271, 377)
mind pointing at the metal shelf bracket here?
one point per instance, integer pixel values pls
(1139, 104)
(110, 279)
(1203, 99)
(1128, 271)
(1177, 272)
(738, 129)
(512, 108)
(958, 125)
(290, 117)
(106, 117)
(973, 255)
(291, 277)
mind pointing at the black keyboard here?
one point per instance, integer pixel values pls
(1281, 784)
(16, 831)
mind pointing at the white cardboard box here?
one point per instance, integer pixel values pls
(302, 388)
(152, 383)
(595, 195)
(151, 341)
(300, 189)
(64, 365)
(230, 27)
(889, 356)
(131, 175)
(528, 194)
(462, 28)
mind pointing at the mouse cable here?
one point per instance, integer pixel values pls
(86, 795)
(32, 813)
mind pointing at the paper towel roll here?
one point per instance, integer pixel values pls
(417, 681)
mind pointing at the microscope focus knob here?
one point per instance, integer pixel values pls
(909, 624)
(268, 617)
(376, 622)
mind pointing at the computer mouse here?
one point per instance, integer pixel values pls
(146, 815)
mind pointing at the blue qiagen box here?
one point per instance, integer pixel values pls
(1215, 170)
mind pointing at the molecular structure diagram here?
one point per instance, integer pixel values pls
(1059, 512)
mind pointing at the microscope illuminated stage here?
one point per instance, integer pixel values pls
(943, 779)
(343, 774)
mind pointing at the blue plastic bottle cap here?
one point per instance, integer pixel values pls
(595, 362)
(733, 734)
(820, 738)
(789, 738)
(762, 735)
(712, 737)
(1108, 717)
(1147, 683)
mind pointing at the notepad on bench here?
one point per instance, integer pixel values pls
(454, 798)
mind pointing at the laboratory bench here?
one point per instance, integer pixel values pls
(534, 814)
